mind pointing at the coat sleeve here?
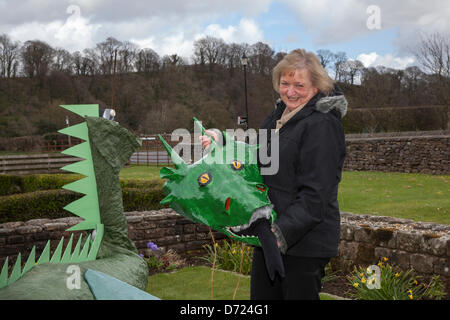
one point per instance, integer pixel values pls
(320, 160)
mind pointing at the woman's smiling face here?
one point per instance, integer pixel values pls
(296, 88)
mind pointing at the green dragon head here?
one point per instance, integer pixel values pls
(224, 190)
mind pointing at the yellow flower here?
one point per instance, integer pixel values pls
(385, 259)
(361, 274)
(234, 251)
(380, 264)
(410, 291)
(363, 280)
(415, 282)
(410, 297)
(356, 284)
(397, 275)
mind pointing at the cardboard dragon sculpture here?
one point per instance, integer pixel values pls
(224, 190)
(107, 259)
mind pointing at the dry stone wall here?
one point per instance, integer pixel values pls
(428, 154)
(365, 239)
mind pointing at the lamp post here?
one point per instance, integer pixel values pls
(244, 61)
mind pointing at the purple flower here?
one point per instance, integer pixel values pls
(141, 255)
(152, 246)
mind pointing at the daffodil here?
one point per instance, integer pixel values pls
(415, 282)
(361, 274)
(385, 259)
(363, 280)
(356, 284)
(397, 275)
(410, 296)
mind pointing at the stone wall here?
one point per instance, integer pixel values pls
(365, 239)
(402, 153)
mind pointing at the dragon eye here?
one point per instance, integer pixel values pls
(236, 165)
(204, 179)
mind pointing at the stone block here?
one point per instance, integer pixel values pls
(383, 253)
(347, 250)
(55, 226)
(442, 267)
(384, 237)
(435, 245)
(409, 241)
(422, 263)
(28, 229)
(15, 239)
(347, 232)
(362, 234)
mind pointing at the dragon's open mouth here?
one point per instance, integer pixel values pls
(263, 212)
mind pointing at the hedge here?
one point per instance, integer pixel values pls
(49, 203)
(16, 184)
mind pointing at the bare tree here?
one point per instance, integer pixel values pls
(352, 68)
(147, 60)
(107, 50)
(36, 58)
(62, 60)
(126, 56)
(433, 53)
(9, 56)
(339, 59)
(326, 57)
(209, 50)
(261, 59)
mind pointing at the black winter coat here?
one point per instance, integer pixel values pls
(304, 190)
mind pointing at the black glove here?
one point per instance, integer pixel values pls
(272, 255)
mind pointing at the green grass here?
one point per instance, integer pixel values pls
(140, 172)
(194, 283)
(419, 197)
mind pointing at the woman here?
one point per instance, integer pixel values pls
(307, 120)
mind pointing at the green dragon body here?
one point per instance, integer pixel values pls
(107, 248)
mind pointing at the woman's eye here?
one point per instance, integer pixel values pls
(204, 179)
(236, 165)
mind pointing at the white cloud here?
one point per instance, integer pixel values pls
(333, 22)
(373, 60)
(246, 31)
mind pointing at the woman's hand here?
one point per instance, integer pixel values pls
(206, 141)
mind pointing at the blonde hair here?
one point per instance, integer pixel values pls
(302, 59)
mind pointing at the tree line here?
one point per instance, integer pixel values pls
(157, 94)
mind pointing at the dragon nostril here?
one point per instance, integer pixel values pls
(261, 187)
(227, 204)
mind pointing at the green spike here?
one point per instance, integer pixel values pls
(167, 199)
(89, 110)
(86, 208)
(56, 258)
(198, 123)
(79, 131)
(84, 185)
(84, 225)
(97, 241)
(4, 274)
(176, 159)
(30, 261)
(66, 256)
(15, 274)
(76, 251)
(85, 250)
(83, 167)
(82, 150)
(45, 255)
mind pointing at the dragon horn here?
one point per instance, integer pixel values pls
(176, 159)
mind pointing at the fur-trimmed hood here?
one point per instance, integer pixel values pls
(335, 100)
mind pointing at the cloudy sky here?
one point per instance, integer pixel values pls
(375, 32)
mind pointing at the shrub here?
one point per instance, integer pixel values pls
(391, 283)
(50, 203)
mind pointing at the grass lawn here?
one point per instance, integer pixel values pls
(419, 197)
(175, 286)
